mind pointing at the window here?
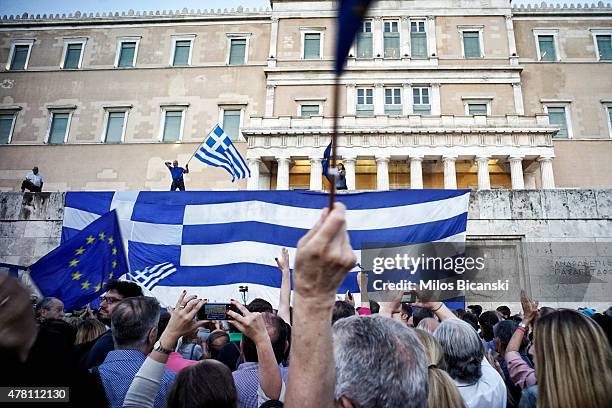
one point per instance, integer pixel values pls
(609, 110)
(312, 46)
(558, 117)
(307, 111)
(237, 54)
(115, 126)
(391, 39)
(420, 101)
(546, 44)
(418, 39)
(127, 51)
(231, 123)
(19, 56)
(365, 102)
(364, 40)
(73, 54)
(477, 109)
(181, 57)
(393, 101)
(7, 124)
(173, 125)
(604, 47)
(60, 126)
(471, 44)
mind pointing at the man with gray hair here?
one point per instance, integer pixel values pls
(391, 355)
(479, 384)
(134, 328)
(50, 308)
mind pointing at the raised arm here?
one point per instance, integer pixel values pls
(323, 259)
(362, 281)
(285, 289)
(186, 169)
(168, 164)
(252, 325)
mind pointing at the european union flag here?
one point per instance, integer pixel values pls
(77, 270)
(350, 16)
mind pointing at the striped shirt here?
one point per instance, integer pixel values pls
(118, 371)
(246, 378)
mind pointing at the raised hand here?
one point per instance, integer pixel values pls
(250, 324)
(182, 319)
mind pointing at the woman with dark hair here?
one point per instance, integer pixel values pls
(191, 391)
(215, 342)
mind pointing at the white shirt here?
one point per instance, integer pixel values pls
(488, 392)
(35, 179)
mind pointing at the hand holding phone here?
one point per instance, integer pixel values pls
(216, 311)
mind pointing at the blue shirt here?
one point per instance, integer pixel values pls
(177, 173)
(246, 378)
(118, 371)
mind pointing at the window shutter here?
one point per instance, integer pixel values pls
(181, 53)
(471, 44)
(547, 48)
(477, 109)
(73, 55)
(172, 126)
(364, 45)
(604, 44)
(557, 118)
(114, 127)
(237, 51)
(59, 124)
(6, 122)
(126, 57)
(418, 44)
(231, 123)
(20, 55)
(392, 45)
(312, 46)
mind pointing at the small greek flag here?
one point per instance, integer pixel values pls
(218, 150)
(149, 277)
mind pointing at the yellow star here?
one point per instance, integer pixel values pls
(80, 251)
(114, 251)
(77, 275)
(102, 236)
(110, 240)
(97, 287)
(114, 264)
(110, 275)
(85, 285)
(90, 239)
(74, 262)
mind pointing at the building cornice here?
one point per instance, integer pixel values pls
(545, 10)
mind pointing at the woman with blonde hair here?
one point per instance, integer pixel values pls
(573, 363)
(442, 390)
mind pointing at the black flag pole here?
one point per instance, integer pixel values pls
(334, 141)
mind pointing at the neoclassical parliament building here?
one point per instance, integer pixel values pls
(478, 94)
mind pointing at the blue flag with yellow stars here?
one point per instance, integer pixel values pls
(350, 16)
(77, 271)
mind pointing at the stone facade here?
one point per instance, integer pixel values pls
(447, 94)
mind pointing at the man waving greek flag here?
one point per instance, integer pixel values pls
(218, 150)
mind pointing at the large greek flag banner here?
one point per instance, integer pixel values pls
(211, 242)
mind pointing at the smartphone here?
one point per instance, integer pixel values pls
(409, 297)
(216, 311)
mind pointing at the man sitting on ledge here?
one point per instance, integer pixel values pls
(33, 181)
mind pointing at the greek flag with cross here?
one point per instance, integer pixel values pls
(218, 150)
(77, 271)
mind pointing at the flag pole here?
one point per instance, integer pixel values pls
(199, 144)
(334, 140)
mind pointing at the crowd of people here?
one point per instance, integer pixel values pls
(321, 352)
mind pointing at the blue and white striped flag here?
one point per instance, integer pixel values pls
(219, 240)
(218, 150)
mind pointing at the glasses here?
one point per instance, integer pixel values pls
(109, 300)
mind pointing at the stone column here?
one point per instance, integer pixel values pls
(431, 37)
(548, 178)
(349, 166)
(382, 173)
(379, 99)
(253, 181)
(518, 98)
(405, 37)
(450, 172)
(273, 41)
(416, 172)
(270, 100)
(484, 181)
(377, 38)
(434, 99)
(316, 174)
(282, 175)
(516, 172)
(351, 103)
(511, 41)
(407, 99)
